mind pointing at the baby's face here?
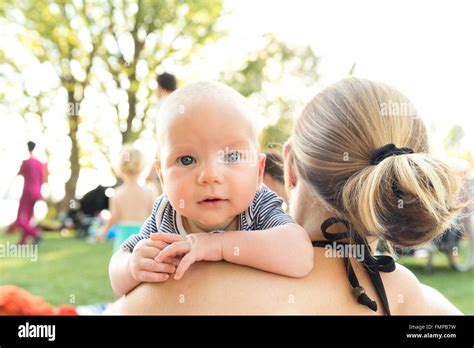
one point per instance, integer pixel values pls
(209, 164)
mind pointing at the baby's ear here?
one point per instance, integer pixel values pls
(261, 169)
(157, 165)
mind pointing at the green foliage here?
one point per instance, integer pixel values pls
(275, 135)
(454, 137)
(455, 146)
(114, 48)
(108, 47)
(271, 63)
(161, 31)
(271, 66)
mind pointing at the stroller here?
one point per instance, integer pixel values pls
(85, 211)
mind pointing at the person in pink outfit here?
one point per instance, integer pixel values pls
(35, 173)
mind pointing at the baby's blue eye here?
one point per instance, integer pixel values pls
(232, 157)
(186, 160)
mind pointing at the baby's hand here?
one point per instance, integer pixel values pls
(144, 268)
(195, 247)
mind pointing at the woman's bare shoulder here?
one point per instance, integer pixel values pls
(224, 288)
(203, 290)
(414, 298)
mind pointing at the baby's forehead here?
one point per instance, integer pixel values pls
(207, 126)
(207, 101)
(202, 107)
(209, 111)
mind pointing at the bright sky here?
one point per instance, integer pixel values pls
(423, 48)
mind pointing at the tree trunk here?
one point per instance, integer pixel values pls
(74, 156)
(129, 135)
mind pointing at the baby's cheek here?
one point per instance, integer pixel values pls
(178, 194)
(244, 192)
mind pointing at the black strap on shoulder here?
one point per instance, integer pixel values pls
(357, 290)
(372, 264)
(334, 236)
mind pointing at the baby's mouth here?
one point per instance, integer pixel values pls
(212, 201)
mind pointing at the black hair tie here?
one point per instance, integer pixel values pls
(386, 151)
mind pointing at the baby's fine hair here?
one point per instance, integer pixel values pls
(201, 91)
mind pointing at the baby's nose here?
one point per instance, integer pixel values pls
(210, 173)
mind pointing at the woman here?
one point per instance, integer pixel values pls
(348, 183)
(35, 174)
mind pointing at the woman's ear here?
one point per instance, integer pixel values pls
(289, 172)
(291, 176)
(286, 149)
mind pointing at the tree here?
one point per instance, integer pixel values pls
(112, 48)
(57, 33)
(275, 135)
(156, 31)
(77, 36)
(276, 66)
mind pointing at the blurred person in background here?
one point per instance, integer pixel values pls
(35, 174)
(166, 85)
(131, 203)
(273, 175)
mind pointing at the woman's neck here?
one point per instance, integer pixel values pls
(307, 213)
(310, 214)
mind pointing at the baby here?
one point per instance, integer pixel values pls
(211, 171)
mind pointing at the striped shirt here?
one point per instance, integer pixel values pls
(264, 212)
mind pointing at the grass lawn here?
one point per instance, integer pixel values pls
(456, 286)
(70, 270)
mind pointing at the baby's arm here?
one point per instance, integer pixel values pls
(284, 249)
(276, 244)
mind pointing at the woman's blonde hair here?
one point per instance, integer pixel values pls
(407, 199)
(132, 161)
